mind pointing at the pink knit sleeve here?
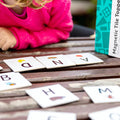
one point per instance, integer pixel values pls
(58, 28)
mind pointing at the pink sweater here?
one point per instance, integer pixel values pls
(44, 26)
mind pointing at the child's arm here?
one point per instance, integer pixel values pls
(7, 39)
(57, 29)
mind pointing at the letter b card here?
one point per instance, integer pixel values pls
(12, 80)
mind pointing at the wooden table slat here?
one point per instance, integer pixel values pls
(15, 104)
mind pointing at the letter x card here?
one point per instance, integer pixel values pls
(44, 115)
(24, 64)
(12, 80)
(84, 58)
(52, 95)
(55, 61)
(103, 94)
(107, 114)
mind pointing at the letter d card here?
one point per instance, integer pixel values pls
(23, 64)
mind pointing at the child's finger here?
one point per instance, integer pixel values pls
(6, 46)
(2, 42)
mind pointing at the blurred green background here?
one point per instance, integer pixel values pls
(84, 12)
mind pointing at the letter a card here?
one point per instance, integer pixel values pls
(24, 64)
(55, 61)
(44, 115)
(107, 114)
(84, 58)
(103, 94)
(52, 95)
(12, 80)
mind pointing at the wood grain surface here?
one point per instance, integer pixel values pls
(15, 104)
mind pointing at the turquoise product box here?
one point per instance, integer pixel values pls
(107, 40)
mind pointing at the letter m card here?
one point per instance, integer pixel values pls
(103, 94)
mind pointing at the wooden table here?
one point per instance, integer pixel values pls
(15, 104)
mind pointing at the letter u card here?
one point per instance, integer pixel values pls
(84, 58)
(55, 61)
(52, 95)
(44, 115)
(24, 64)
(103, 94)
(12, 80)
(107, 114)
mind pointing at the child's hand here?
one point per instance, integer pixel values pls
(7, 39)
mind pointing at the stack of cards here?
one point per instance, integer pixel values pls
(52, 95)
(104, 94)
(49, 62)
(44, 115)
(12, 80)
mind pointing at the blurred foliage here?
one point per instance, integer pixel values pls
(88, 19)
(94, 1)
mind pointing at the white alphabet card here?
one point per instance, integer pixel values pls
(24, 64)
(52, 95)
(103, 94)
(1, 68)
(84, 58)
(55, 61)
(45, 115)
(107, 114)
(12, 80)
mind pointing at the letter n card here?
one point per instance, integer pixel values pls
(55, 61)
(24, 64)
(103, 94)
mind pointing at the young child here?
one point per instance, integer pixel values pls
(33, 23)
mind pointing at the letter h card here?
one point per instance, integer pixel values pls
(52, 95)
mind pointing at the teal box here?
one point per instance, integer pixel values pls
(103, 21)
